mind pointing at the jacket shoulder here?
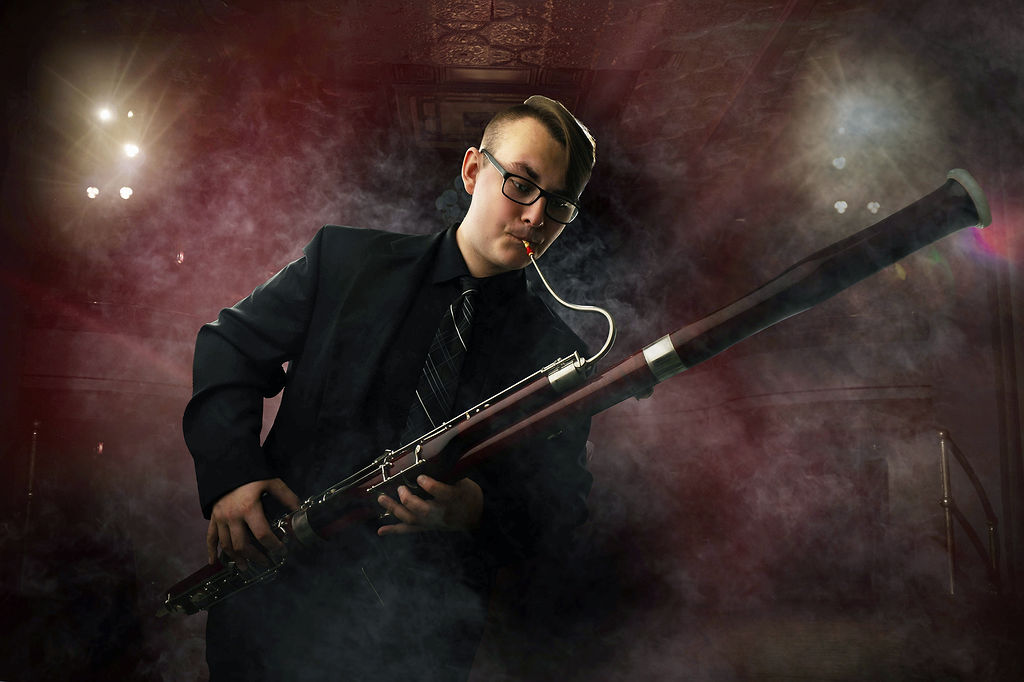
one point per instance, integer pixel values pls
(342, 238)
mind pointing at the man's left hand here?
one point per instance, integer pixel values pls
(453, 507)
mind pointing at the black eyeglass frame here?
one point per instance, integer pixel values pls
(505, 175)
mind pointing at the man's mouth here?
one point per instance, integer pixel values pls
(525, 236)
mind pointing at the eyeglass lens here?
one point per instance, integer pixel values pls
(523, 191)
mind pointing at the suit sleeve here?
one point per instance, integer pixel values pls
(238, 362)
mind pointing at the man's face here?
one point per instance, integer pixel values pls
(491, 237)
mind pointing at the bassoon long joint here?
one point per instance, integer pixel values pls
(543, 401)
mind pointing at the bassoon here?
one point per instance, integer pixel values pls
(561, 393)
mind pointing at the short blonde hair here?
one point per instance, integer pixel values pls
(566, 129)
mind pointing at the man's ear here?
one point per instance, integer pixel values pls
(470, 168)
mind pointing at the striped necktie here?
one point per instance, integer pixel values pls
(439, 379)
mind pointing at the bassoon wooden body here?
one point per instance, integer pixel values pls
(546, 401)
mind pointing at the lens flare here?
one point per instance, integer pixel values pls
(105, 114)
(993, 240)
(131, 150)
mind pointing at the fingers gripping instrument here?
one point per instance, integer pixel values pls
(352, 501)
(554, 396)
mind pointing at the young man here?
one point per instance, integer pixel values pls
(355, 318)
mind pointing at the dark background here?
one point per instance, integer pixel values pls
(771, 514)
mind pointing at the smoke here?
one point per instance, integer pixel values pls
(797, 471)
(793, 476)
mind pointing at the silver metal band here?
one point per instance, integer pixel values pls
(566, 377)
(304, 532)
(662, 359)
(974, 191)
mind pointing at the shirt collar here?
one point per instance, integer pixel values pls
(449, 263)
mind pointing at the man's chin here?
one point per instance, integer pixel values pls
(514, 257)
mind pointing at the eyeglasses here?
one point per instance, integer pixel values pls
(526, 192)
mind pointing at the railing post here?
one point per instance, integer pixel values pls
(990, 555)
(947, 505)
(993, 553)
(26, 531)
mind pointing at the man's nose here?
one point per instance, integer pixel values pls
(534, 213)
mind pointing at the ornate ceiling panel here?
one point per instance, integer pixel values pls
(666, 71)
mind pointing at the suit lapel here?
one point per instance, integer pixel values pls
(380, 293)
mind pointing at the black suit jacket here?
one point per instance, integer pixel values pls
(330, 315)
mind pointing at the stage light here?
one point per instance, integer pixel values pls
(866, 116)
(92, 192)
(840, 206)
(873, 206)
(180, 258)
(131, 114)
(126, 192)
(105, 114)
(839, 162)
(131, 150)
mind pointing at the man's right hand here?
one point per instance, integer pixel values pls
(240, 513)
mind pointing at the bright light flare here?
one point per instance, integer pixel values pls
(92, 192)
(105, 114)
(996, 240)
(131, 114)
(131, 150)
(126, 192)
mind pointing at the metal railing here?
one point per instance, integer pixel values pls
(989, 555)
